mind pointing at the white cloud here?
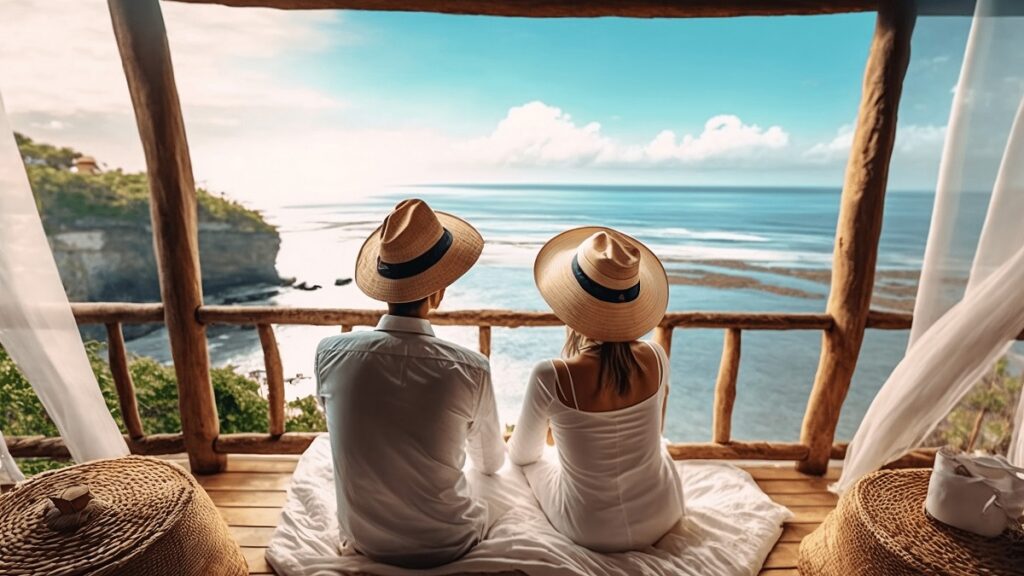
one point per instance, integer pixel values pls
(837, 148)
(540, 135)
(912, 140)
(724, 137)
(536, 134)
(59, 57)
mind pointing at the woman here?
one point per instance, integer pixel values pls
(612, 487)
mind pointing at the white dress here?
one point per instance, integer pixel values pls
(612, 486)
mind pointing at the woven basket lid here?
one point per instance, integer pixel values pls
(141, 514)
(881, 527)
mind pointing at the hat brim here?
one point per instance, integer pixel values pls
(465, 250)
(593, 318)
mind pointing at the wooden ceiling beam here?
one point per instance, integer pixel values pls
(621, 8)
(575, 8)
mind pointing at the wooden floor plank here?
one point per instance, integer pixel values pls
(257, 563)
(813, 499)
(248, 498)
(246, 481)
(259, 517)
(796, 532)
(783, 555)
(801, 486)
(810, 514)
(240, 463)
(250, 494)
(787, 472)
(251, 536)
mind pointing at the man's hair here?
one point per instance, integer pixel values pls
(406, 308)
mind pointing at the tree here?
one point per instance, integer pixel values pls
(239, 404)
(983, 420)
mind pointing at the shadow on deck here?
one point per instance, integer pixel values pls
(251, 493)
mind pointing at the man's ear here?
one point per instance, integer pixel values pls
(435, 299)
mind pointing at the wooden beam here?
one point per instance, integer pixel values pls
(485, 340)
(858, 228)
(253, 315)
(748, 320)
(47, 447)
(725, 387)
(117, 356)
(142, 42)
(889, 320)
(663, 337)
(574, 8)
(287, 443)
(738, 451)
(275, 378)
(120, 312)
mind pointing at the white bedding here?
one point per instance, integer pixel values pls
(729, 527)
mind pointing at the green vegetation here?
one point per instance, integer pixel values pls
(990, 407)
(65, 197)
(239, 403)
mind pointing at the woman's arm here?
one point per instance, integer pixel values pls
(527, 443)
(663, 362)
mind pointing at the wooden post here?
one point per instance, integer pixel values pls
(485, 340)
(275, 378)
(117, 356)
(725, 387)
(145, 55)
(858, 228)
(663, 337)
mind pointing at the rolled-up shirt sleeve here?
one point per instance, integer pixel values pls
(527, 443)
(485, 445)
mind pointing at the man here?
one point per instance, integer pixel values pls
(405, 407)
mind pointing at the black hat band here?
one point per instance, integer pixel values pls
(419, 264)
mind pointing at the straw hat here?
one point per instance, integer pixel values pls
(602, 283)
(415, 253)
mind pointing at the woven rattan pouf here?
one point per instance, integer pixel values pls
(125, 516)
(880, 528)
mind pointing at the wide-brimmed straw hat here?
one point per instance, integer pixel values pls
(416, 252)
(602, 283)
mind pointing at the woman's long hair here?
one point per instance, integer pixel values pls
(618, 363)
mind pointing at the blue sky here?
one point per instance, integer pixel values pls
(335, 103)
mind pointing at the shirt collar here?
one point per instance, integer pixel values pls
(391, 323)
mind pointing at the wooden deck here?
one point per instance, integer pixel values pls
(251, 492)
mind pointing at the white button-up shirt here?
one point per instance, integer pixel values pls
(403, 409)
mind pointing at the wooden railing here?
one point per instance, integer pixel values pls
(277, 441)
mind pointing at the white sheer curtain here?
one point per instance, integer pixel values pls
(9, 473)
(36, 326)
(970, 302)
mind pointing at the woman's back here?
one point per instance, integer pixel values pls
(614, 487)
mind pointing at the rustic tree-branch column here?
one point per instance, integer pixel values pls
(145, 55)
(859, 227)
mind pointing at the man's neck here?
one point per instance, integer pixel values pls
(420, 314)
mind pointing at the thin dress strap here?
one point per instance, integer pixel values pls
(657, 358)
(572, 386)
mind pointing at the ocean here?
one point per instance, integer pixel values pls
(726, 249)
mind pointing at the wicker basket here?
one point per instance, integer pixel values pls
(880, 528)
(125, 516)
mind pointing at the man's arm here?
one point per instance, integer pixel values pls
(485, 445)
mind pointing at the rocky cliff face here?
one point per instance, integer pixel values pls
(113, 261)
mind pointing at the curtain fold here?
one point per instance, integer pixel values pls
(9, 472)
(37, 328)
(970, 303)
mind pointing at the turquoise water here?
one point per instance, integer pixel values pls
(739, 232)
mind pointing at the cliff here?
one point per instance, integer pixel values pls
(98, 226)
